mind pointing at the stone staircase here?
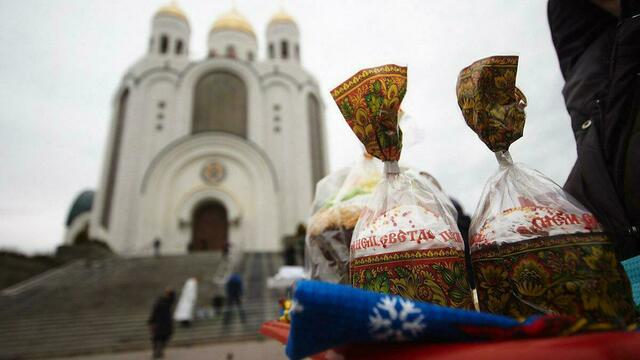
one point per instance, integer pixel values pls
(102, 306)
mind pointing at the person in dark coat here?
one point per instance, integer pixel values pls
(464, 222)
(290, 255)
(161, 322)
(598, 48)
(234, 297)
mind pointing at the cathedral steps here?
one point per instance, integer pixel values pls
(103, 306)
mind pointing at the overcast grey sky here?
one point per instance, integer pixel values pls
(61, 60)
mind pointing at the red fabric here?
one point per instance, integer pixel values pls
(276, 330)
(607, 345)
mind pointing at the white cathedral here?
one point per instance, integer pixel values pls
(205, 154)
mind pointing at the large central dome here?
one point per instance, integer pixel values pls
(233, 20)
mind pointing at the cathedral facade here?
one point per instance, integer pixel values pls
(217, 152)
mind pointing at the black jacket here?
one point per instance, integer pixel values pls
(161, 318)
(599, 57)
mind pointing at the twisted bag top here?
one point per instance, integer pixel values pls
(491, 103)
(369, 101)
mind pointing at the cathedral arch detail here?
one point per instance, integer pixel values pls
(173, 188)
(187, 90)
(220, 104)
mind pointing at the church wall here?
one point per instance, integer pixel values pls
(116, 233)
(143, 142)
(305, 183)
(159, 113)
(280, 132)
(95, 229)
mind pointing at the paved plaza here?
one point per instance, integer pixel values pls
(258, 350)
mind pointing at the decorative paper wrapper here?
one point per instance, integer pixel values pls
(370, 101)
(491, 103)
(575, 275)
(436, 276)
(406, 241)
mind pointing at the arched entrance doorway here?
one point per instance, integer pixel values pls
(209, 227)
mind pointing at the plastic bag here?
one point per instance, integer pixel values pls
(406, 241)
(534, 248)
(340, 198)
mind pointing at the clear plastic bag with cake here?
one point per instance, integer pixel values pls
(534, 248)
(339, 200)
(406, 241)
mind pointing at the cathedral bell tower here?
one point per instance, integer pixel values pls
(283, 39)
(170, 32)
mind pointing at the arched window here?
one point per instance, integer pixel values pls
(316, 136)
(220, 104)
(115, 157)
(231, 52)
(179, 47)
(164, 44)
(284, 48)
(272, 51)
(250, 56)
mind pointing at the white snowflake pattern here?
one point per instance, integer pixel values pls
(396, 319)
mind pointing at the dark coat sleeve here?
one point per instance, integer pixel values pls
(153, 317)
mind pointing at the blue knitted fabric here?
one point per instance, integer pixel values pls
(326, 315)
(632, 267)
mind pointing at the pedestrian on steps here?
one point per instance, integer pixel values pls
(161, 323)
(187, 303)
(217, 302)
(234, 297)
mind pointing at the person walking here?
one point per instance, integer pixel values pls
(157, 244)
(234, 297)
(597, 44)
(187, 303)
(217, 302)
(161, 323)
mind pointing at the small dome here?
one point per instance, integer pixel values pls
(282, 17)
(233, 20)
(172, 9)
(81, 205)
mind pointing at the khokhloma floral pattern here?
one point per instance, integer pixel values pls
(491, 103)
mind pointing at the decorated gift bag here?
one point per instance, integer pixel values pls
(339, 200)
(534, 248)
(406, 241)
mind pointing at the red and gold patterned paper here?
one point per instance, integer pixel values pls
(437, 276)
(369, 101)
(491, 103)
(573, 274)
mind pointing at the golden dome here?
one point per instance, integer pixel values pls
(172, 9)
(233, 20)
(281, 16)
